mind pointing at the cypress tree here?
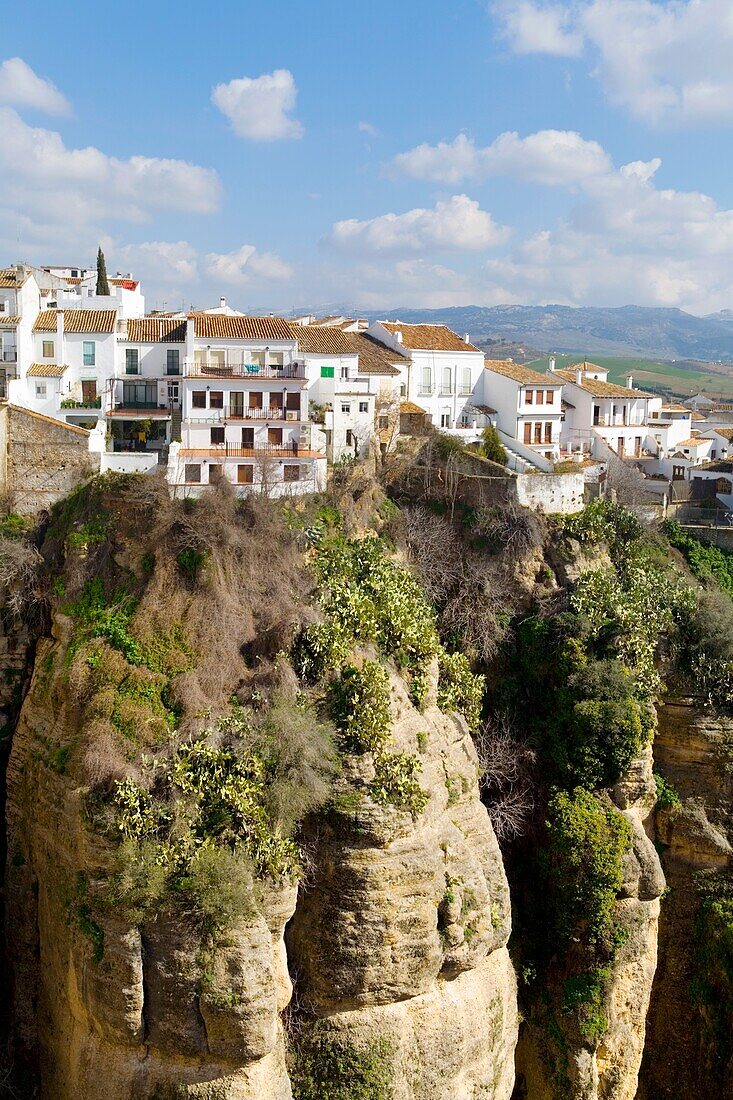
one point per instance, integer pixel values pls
(102, 282)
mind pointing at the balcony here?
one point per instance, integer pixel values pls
(90, 403)
(9, 353)
(252, 371)
(221, 416)
(261, 450)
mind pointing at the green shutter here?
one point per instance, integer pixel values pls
(327, 372)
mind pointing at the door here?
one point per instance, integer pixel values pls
(174, 395)
(275, 436)
(236, 404)
(620, 449)
(88, 392)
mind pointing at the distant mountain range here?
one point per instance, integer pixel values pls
(627, 330)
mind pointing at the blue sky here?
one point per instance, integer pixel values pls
(441, 153)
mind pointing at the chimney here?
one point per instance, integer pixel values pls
(398, 336)
(579, 376)
(466, 338)
(222, 303)
(59, 349)
(630, 381)
(553, 366)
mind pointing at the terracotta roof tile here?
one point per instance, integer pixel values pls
(156, 330)
(693, 441)
(92, 321)
(9, 320)
(218, 326)
(428, 337)
(375, 357)
(525, 376)
(598, 388)
(46, 370)
(126, 284)
(8, 278)
(726, 433)
(409, 408)
(322, 340)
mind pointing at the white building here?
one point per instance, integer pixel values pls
(442, 374)
(528, 407)
(145, 392)
(244, 407)
(353, 386)
(597, 408)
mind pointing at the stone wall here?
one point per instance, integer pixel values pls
(555, 494)
(41, 459)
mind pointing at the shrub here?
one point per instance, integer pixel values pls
(584, 865)
(328, 1068)
(706, 562)
(604, 521)
(216, 888)
(583, 996)
(395, 782)
(491, 445)
(667, 796)
(360, 707)
(459, 689)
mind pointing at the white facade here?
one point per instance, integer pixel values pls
(618, 415)
(443, 375)
(528, 405)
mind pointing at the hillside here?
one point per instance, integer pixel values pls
(628, 330)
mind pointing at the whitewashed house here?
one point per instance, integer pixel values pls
(528, 408)
(20, 302)
(597, 408)
(441, 376)
(244, 409)
(353, 386)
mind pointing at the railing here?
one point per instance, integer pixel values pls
(232, 450)
(218, 416)
(242, 370)
(8, 354)
(90, 403)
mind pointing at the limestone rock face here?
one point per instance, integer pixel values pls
(684, 1055)
(401, 937)
(609, 1071)
(113, 1011)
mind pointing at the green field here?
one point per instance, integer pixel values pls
(683, 378)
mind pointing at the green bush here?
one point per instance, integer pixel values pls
(360, 707)
(706, 562)
(325, 1068)
(459, 689)
(491, 445)
(604, 521)
(583, 997)
(667, 796)
(395, 782)
(584, 865)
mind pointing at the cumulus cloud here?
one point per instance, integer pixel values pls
(158, 262)
(258, 107)
(45, 179)
(247, 264)
(455, 224)
(663, 60)
(21, 87)
(540, 28)
(549, 156)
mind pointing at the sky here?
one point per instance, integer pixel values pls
(327, 155)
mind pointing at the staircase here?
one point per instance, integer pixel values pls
(175, 425)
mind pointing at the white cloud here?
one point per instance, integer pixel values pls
(157, 262)
(258, 107)
(46, 180)
(368, 128)
(247, 264)
(455, 224)
(540, 28)
(548, 156)
(663, 60)
(21, 87)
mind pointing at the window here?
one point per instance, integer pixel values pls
(139, 395)
(132, 361)
(345, 409)
(89, 353)
(527, 432)
(445, 420)
(217, 436)
(292, 402)
(538, 433)
(548, 432)
(40, 389)
(248, 437)
(192, 473)
(198, 399)
(426, 381)
(216, 399)
(363, 406)
(466, 380)
(275, 436)
(277, 359)
(255, 400)
(245, 475)
(447, 383)
(349, 438)
(528, 396)
(550, 397)
(344, 374)
(327, 372)
(383, 423)
(540, 397)
(172, 361)
(291, 472)
(48, 349)
(403, 389)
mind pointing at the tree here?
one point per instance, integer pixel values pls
(102, 281)
(491, 445)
